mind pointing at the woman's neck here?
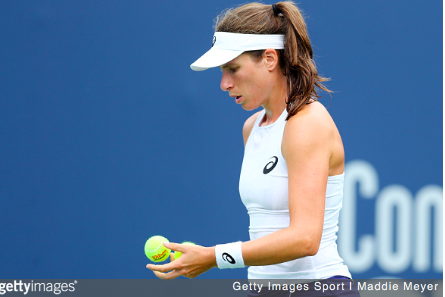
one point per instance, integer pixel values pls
(277, 102)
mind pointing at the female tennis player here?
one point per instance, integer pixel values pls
(292, 173)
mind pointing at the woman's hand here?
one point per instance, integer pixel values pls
(195, 260)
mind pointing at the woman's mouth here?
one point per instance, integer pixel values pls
(238, 99)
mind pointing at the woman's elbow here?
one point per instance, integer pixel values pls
(305, 243)
(308, 247)
(312, 250)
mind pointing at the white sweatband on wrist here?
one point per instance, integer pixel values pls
(229, 255)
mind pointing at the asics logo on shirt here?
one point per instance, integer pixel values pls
(271, 165)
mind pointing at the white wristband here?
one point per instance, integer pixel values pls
(229, 255)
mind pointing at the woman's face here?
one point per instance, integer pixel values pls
(247, 81)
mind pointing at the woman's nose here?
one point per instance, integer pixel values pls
(226, 82)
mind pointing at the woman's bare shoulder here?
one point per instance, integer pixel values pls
(311, 127)
(248, 125)
(312, 116)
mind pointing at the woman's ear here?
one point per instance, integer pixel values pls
(271, 58)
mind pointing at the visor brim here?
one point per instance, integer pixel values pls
(214, 58)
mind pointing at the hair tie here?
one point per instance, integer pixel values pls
(276, 11)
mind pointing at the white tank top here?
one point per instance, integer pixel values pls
(264, 191)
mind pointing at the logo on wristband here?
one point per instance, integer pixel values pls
(228, 258)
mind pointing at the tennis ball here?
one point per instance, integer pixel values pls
(178, 254)
(155, 250)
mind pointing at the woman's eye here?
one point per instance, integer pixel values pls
(233, 69)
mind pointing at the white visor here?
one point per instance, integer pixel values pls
(228, 46)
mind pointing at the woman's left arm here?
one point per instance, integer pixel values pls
(306, 146)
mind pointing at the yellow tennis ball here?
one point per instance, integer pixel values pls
(178, 254)
(155, 250)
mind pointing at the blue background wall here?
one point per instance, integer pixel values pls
(108, 137)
